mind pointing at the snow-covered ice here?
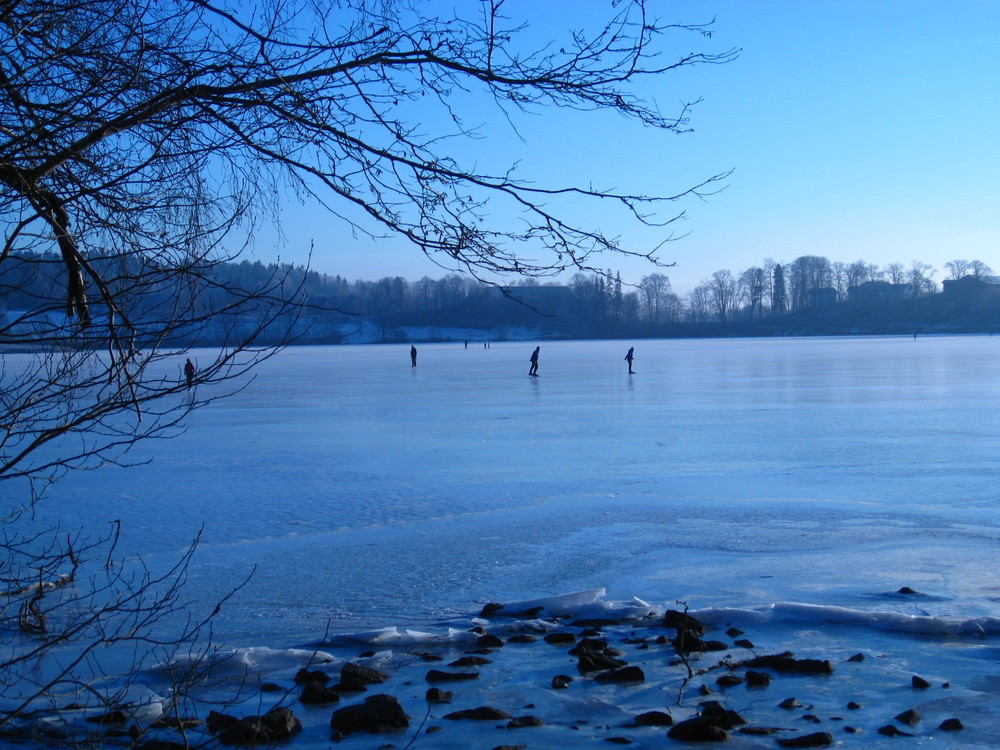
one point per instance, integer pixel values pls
(793, 485)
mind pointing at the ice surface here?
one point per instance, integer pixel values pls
(800, 482)
(366, 493)
(239, 663)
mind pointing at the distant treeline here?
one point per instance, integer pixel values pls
(810, 295)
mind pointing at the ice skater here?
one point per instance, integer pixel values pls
(189, 371)
(534, 362)
(413, 356)
(629, 357)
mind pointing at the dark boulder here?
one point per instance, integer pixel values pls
(687, 642)
(316, 693)
(525, 721)
(216, 722)
(561, 681)
(427, 656)
(682, 621)
(490, 609)
(276, 724)
(625, 674)
(354, 675)
(729, 680)
(559, 638)
(522, 638)
(698, 729)
(483, 713)
(310, 675)
(470, 661)
(589, 645)
(654, 719)
(724, 717)
(590, 661)
(179, 723)
(816, 739)
(787, 663)
(377, 715)
(118, 716)
(757, 679)
(530, 613)
(890, 731)
(761, 731)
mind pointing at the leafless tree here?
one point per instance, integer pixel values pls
(874, 273)
(838, 275)
(144, 141)
(630, 306)
(979, 269)
(723, 289)
(857, 273)
(895, 273)
(957, 268)
(700, 303)
(673, 308)
(752, 287)
(920, 278)
(807, 274)
(655, 287)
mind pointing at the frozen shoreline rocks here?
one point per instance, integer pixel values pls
(628, 676)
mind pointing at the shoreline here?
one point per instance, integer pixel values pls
(568, 671)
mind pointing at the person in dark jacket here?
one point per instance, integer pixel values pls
(534, 362)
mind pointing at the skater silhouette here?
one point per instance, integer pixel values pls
(629, 357)
(534, 362)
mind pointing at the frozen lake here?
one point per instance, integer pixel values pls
(724, 472)
(789, 487)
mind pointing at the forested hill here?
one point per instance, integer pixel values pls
(335, 310)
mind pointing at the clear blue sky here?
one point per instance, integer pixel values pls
(855, 129)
